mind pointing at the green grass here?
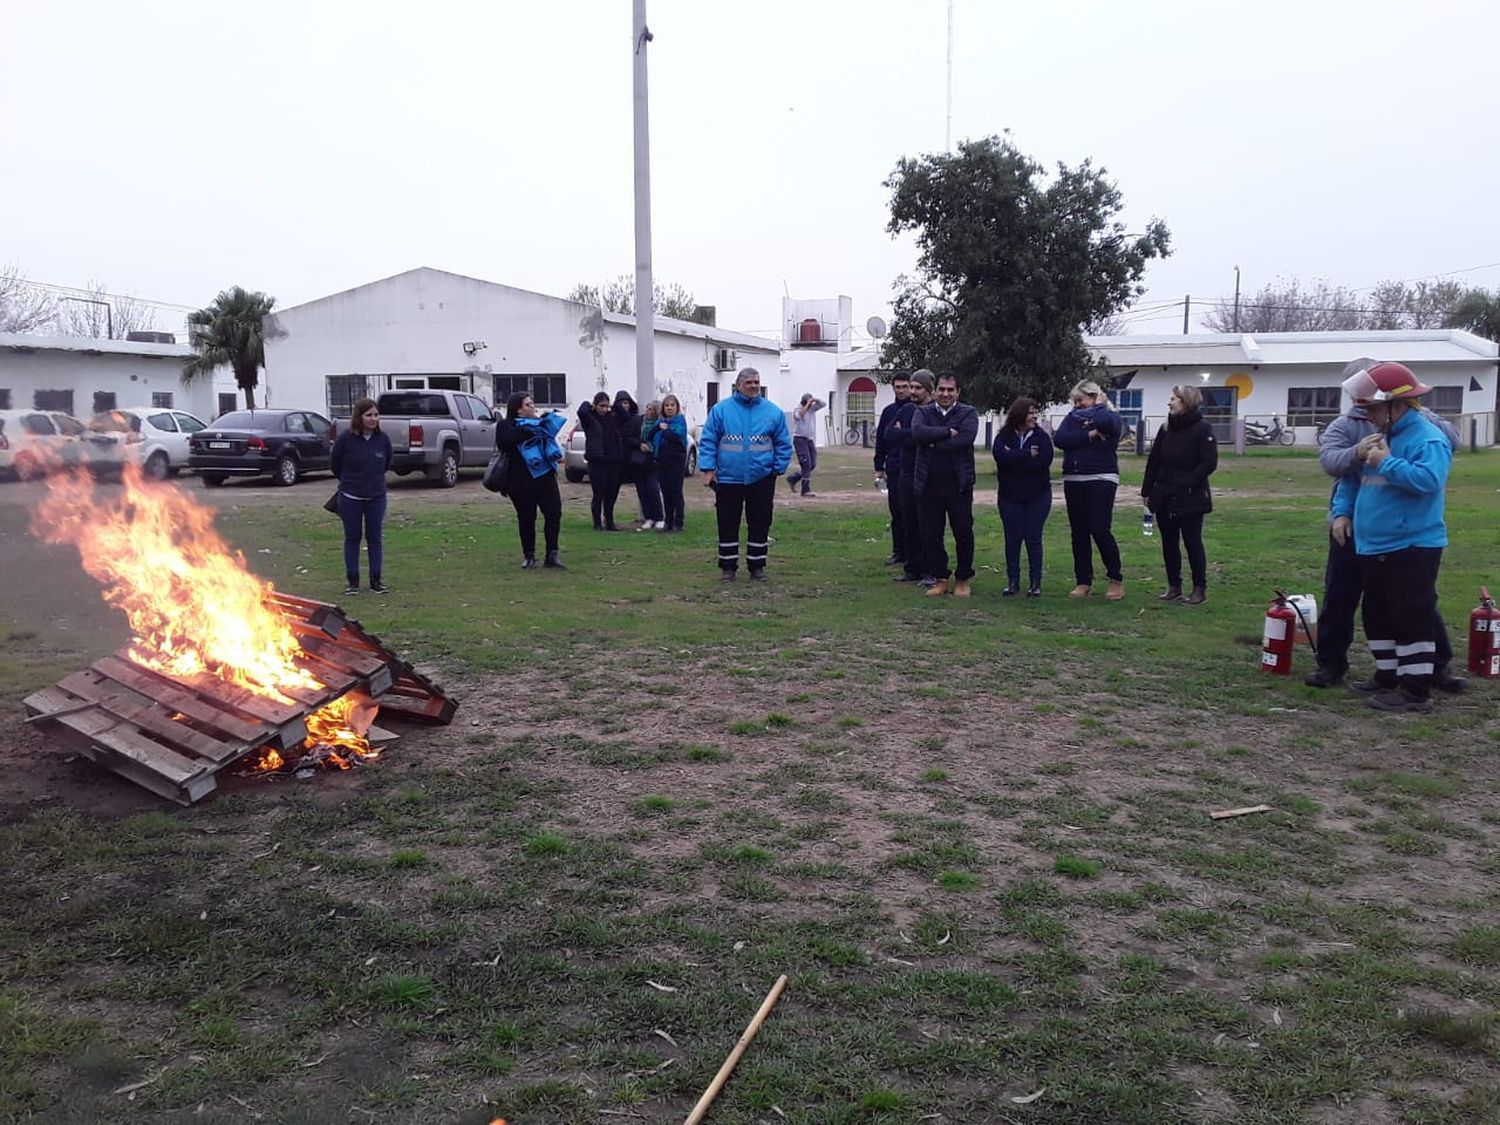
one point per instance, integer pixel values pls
(975, 838)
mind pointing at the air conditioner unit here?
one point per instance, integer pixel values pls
(724, 360)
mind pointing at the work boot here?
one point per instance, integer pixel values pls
(553, 562)
(962, 589)
(1444, 680)
(1173, 594)
(1323, 677)
(1372, 685)
(1197, 597)
(1116, 591)
(1400, 702)
(726, 575)
(1081, 590)
(757, 574)
(938, 588)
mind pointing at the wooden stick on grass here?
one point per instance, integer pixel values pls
(701, 1109)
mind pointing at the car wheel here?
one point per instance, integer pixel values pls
(212, 480)
(446, 473)
(157, 467)
(692, 462)
(286, 470)
(575, 476)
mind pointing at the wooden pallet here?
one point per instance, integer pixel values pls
(173, 735)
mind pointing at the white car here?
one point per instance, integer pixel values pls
(31, 444)
(156, 436)
(574, 441)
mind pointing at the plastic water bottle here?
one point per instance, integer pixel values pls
(1148, 525)
(880, 484)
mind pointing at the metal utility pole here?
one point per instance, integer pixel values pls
(1236, 298)
(645, 314)
(109, 312)
(948, 128)
(1187, 303)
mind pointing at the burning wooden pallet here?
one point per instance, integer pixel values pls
(173, 735)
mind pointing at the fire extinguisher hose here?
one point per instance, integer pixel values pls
(1296, 608)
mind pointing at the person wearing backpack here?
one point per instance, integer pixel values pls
(530, 444)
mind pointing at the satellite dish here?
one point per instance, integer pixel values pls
(875, 327)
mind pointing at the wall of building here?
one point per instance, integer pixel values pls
(132, 379)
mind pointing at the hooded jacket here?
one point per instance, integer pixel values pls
(744, 440)
(1183, 457)
(939, 453)
(602, 432)
(1083, 454)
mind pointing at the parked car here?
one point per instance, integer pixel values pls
(286, 444)
(155, 437)
(102, 454)
(436, 432)
(575, 468)
(31, 443)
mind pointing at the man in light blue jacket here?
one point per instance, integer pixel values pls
(743, 448)
(1394, 509)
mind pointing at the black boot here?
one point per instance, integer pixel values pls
(529, 563)
(1174, 593)
(553, 562)
(1197, 597)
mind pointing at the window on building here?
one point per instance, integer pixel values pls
(1446, 401)
(1128, 402)
(53, 400)
(226, 403)
(1220, 405)
(343, 392)
(4, 398)
(104, 401)
(162, 399)
(1312, 406)
(445, 382)
(545, 390)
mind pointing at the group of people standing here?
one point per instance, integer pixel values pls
(648, 450)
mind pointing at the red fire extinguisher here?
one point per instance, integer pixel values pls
(1484, 637)
(1276, 640)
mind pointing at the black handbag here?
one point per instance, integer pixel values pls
(497, 472)
(332, 503)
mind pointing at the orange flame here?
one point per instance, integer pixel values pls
(192, 605)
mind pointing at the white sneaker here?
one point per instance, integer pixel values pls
(661, 525)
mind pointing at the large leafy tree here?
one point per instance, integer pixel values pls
(231, 330)
(1013, 265)
(1478, 311)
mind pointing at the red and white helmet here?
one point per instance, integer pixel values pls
(1383, 382)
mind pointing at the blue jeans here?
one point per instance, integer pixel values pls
(369, 516)
(1023, 522)
(648, 493)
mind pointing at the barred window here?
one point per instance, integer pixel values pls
(545, 390)
(344, 391)
(104, 401)
(162, 399)
(1312, 406)
(1446, 401)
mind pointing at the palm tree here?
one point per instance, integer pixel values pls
(230, 331)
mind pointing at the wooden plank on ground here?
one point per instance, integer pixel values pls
(170, 695)
(320, 615)
(151, 717)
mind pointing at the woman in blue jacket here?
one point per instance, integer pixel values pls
(361, 458)
(1088, 437)
(668, 436)
(1023, 467)
(531, 475)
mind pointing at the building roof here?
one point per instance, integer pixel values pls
(88, 345)
(662, 324)
(1237, 349)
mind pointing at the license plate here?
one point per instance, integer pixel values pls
(219, 445)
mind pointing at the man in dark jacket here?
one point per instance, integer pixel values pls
(1175, 489)
(902, 456)
(602, 452)
(888, 469)
(944, 433)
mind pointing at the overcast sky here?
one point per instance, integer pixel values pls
(170, 150)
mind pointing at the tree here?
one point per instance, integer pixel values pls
(231, 330)
(619, 297)
(1477, 311)
(23, 306)
(100, 314)
(1284, 306)
(1012, 265)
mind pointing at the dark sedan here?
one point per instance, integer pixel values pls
(284, 444)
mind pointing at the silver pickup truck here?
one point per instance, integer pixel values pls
(436, 432)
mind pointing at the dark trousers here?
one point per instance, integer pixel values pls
(1184, 531)
(957, 510)
(1343, 586)
(1091, 510)
(1400, 604)
(648, 493)
(540, 493)
(1023, 522)
(898, 517)
(916, 565)
(366, 519)
(807, 461)
(604, 480)
(671, 477)
(755, 503)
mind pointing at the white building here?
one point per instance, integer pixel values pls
(427, 328)
(1295, 376)
(83, 376)
(821, 355)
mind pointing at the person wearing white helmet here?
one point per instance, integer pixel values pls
(1393, 508)
(1343, 573)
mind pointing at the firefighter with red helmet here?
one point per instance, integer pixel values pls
(1395, 503)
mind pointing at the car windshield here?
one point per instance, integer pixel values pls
(114, 422)
(242, 420)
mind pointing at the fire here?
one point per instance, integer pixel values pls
(193, 606)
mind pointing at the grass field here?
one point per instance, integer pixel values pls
(974, 835)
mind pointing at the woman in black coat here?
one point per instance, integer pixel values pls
(1023, 470)
(532, 491)
(1183, 457)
